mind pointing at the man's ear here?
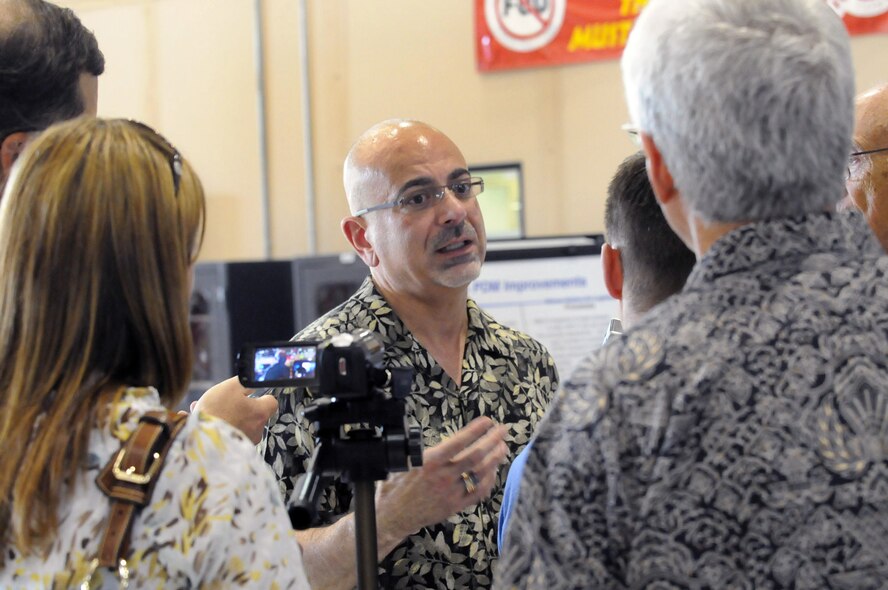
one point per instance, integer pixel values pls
(658, 173)
(612, 265)
(355, 232)
(10, 149)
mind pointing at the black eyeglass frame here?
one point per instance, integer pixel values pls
(173, 156)
(868, 152)
(438, 193)
(853, 155)
(632, 131)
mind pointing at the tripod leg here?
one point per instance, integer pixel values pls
(365, 534)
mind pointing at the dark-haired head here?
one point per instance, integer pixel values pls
(48, 67)
(655, 262)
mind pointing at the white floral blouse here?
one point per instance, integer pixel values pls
(215, 519)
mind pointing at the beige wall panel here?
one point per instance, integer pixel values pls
(870, 65)
(207, 100)
(289, 223)
(332, 96)
(186, 68)
(593, 144)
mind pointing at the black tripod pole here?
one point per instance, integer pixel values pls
(365, 534)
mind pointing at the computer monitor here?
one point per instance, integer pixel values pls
(502, 202)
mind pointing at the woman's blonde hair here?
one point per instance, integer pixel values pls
(99, 228)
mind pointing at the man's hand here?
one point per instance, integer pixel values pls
(228, 400)
(406, 502)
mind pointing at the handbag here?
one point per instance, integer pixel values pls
(128, 480)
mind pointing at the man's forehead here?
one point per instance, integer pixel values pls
(871, 123)
(426, 154)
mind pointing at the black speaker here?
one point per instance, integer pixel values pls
(259, 296)
(233, 303)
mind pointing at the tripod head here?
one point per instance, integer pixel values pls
(361, 431)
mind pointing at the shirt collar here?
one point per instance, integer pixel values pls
(796, 237)
(128, 407)
(372, 298)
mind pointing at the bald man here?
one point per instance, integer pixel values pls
(479, 387)
(867, 180)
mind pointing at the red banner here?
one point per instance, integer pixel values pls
(513, 34)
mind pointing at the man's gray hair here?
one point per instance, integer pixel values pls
(751, 102)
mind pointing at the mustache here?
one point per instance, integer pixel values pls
(462, 230)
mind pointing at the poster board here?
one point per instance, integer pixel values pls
(553, 290)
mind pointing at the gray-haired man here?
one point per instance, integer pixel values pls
(736, 437)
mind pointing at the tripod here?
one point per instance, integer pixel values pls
(377, 443)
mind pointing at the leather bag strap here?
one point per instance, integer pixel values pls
(129, 478)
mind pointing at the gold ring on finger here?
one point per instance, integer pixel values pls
(470, 480)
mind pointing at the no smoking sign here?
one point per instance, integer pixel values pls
(511, 34)
(524, 25)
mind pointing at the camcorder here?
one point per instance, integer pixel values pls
(278, 364)
(344, 366)
(361, 430)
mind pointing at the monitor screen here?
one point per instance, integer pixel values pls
(502, 202)
(297, 361)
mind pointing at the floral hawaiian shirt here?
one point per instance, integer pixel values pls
(215, 519)
(506, 375)
(736, 438)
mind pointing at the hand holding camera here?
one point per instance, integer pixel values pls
(229, 401)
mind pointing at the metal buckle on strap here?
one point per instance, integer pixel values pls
(129, 475)
(123, 574)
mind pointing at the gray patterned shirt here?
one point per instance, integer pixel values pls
(505, 375)
(736, 438)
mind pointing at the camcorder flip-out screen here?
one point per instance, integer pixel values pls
(278, 364)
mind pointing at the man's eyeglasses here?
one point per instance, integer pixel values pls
(420, 198)
(164, 145)
(632, 131)
(868, 152)
(849, 173)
